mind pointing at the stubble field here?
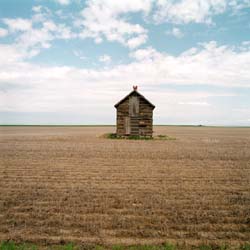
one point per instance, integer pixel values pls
(69, 184)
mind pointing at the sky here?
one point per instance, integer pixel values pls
(70, 61)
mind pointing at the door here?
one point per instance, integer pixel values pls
(134, 106)
(127, 125)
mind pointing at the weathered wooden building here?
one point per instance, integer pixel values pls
(134, 115)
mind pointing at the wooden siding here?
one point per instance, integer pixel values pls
(134, 117)
(134, 105)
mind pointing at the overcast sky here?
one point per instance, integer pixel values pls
(70, 61)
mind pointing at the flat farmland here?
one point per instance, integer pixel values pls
(70, 184)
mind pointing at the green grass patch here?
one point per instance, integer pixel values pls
(129, 137)
(245, 247)
(166, 246)
(10, 245)
(205, 247)
(136, 137)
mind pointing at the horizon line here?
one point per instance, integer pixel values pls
(113, 125)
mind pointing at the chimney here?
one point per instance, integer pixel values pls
(135, 88)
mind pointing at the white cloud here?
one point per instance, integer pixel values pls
(3, 32)
(137, 41)
(105, 20)
(109, 19)
(79, 54)
(18, 24)
(246, 43)
(237, 5)
(64, 32)
(197, 11)
(63, 2)
(195, 103)
(176, 32)
(9, 55)
(218, 66)
(37, 39)
(241, 109)
(37, 8)
(37, 33)
(149, 54)
(41, 14)
(34, 88)
(105, 59)
(185, 11)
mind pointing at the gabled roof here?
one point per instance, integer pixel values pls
(132, 92)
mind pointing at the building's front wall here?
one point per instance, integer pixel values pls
(133, 119)
(122, 111)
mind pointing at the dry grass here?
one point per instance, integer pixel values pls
(62, 184)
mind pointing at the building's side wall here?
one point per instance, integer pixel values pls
(146, 119)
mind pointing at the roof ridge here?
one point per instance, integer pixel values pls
(136, 91)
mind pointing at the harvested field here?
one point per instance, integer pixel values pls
(68, 184)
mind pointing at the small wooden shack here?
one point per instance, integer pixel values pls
(134, 115)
